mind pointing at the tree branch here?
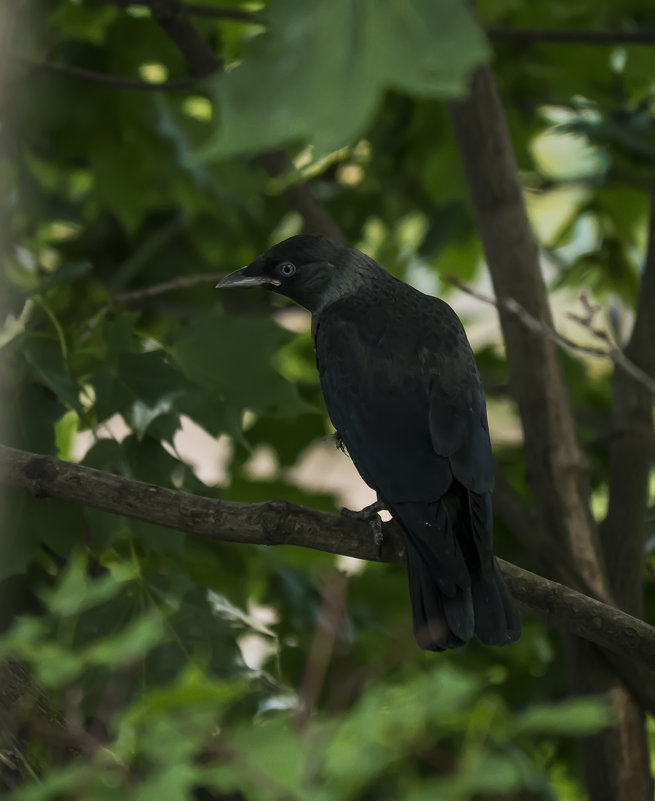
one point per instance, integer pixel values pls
(198, 10)
(624, 530)
(173, 18)
(526, 527)
(182, 282)
(557, 469)
(282, 523)
(317, 218)
(611, 352)
(120, 81)
(497, 32)
(512, 34)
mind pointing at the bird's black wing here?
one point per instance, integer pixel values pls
(377, 402)
(401, 387)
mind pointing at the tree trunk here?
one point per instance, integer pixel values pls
(616, 761)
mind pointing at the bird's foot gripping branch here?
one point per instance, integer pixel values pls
(371, 515)
(401, 386)
(281, 523)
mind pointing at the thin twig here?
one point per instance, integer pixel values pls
(198, 10)
(497, 32)
(236, 14)
(612, 352)
(512, 34)
(615, 353)
(137, 295)
(183, 282)
(119, 81)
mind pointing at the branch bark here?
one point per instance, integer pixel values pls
(198, 10)
(202, 61)
(513, 34)
(557, 469)
(497, 32)
(527, 528)
(119, 81)
(610, 351)
(624, 529)
(616, 763)
(282, 523)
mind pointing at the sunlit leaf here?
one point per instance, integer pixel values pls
(573, 717)
(320, 71)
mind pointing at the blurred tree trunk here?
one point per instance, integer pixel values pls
(616, 761)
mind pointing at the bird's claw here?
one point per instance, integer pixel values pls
(371, 516)
(378, 536)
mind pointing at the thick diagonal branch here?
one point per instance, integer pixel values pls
(282, 523)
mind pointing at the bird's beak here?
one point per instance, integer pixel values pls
(241, 278)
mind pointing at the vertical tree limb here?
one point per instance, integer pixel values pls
(556, 465)
(616, 762)
(624, 529)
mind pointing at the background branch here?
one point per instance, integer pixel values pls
(556, 467)
(631, 458)
(611, 352)
(513, 34)
(173, 18)
(527, 528)
(282, 523)
(217, 12)
(182, 282)
(497, 32)
(120, 81)
(198, 10)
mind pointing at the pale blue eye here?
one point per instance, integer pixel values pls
(287, 269)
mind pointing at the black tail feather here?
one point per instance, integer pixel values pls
(456, 587)
(440, 622)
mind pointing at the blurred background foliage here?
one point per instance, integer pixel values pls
(163, 667)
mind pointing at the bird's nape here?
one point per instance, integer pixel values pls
(401, 387)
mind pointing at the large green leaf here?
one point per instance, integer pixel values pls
(229, 360)
(319, 73)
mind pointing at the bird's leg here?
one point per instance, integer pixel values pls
(371, 515)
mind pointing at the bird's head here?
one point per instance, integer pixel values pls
(312, 270)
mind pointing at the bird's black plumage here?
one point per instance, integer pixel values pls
(403, 391)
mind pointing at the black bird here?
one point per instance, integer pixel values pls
(403, 391)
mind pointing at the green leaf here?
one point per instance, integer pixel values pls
(59, 783)
(76, 591)
(140, 386)
(66, 429)
(131, 643)
(113, 336)
(272, 747)
(577, 716)
(77, 21)
(229, 359)
(29, 524)
(320, 72)
(48, 367)
(193, 687)
(388, 719)
(24, 635)
(174, 783)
